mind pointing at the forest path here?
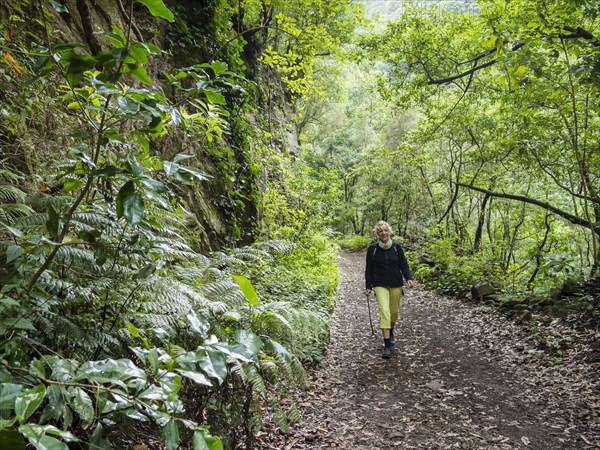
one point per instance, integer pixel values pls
(461, 376)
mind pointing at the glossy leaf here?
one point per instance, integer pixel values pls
(198, 324)
(247, 289)
(8, 394)
(196, 377)
(99, 440)
(29, 401)
(139, 72)
(82, 404)
(202, 441)
(214, 364)
(249, 340)
(130, 204)
(158, 9)
(171, 435)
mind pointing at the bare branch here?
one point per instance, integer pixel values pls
(547, 206)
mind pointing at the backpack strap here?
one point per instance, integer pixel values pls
(394, 245)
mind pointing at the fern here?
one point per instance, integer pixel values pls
(9, 212)
(277, 246)
(11, 194)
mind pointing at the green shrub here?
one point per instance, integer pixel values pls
(354, 243)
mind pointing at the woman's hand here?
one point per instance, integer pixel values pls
(411, 283)
(367, 292)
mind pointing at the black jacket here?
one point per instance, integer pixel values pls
(386, 268)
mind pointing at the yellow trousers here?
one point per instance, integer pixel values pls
(388, 300)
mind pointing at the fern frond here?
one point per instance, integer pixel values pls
(251, 255)
(76, 255)
(225, 291)
(40, 201)
(33, 222)
(172, 247)
(192, 274)
(293, 415)
(276, 246)
(255, 379)
(7, 174)
(165, 321)
(87, 220)
(11, 194)
(279, 417)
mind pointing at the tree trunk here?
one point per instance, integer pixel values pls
(538, 254)
(480, 223)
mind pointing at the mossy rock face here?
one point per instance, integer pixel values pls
(225, 211)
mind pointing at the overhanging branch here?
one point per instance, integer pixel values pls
(547, 206)
(472, 70)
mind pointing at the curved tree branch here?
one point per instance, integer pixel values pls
(473, 69)
(576, 220)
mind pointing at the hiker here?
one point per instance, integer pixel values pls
(385, 272)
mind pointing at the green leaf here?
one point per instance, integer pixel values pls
(246, 288)
(11, 439)
(200, 325)
(29, 401)
(237, 351)
(139, 72)
(108, 171)
(8, 394)
(134, 166)
(218, 67)
(133, 330)
(249, 340)
(128, 105)
(145, 272)
(76, 65)
(158, 9)
(117, 37)
(120, 54)
(13, 252)
(37, 437)
(215, 97)
(130, 204)
(202, 441)
(196, 377)
(43, 65)
(140, 52)
(56, 401)
(214, 364)
(14, 231)
(82, 404)
(52, 223)
(58, 7)
(110, 371)
(171, 435)
(194, 172)
(48, 443)
(99, 439)
(20, 323)
(155, 186)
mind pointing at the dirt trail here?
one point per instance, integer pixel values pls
(461, 376)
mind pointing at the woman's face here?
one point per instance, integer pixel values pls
(383, 234)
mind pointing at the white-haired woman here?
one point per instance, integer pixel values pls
(385, 272)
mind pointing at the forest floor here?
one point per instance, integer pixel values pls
(461, 376)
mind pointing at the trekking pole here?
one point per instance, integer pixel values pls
(370, 319)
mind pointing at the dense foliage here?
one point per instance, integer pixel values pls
(114, 162)
(474, 132)
(174, 177)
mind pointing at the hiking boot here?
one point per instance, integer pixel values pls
(387, 352)
(392, 338)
